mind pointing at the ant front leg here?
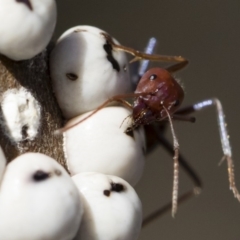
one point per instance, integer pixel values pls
(141, 67)
(152, 57)
(117, 98)
(226, 147)
(158, 133)
(178, 66)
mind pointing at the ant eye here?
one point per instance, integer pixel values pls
(153, 77)
(176, 103)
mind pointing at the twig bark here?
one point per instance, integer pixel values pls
(34, 76)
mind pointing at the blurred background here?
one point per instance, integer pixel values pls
(208, 34)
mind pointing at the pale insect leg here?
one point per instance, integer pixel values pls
(141, 55)
(226, 147)
(175, 166)
(117, 98)
(139, 68)
(143, 66)
(159, 133)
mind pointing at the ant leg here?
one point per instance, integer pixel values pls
(177, 67)
(149, 50)
(151, 217)
(117, 98)
(140, 55)
(151, 135)
(125, 103)
(184, 118)
(226, 147)
(187, 168)
(141, 67)
(175, 165)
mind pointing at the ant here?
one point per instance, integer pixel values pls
(158, 97)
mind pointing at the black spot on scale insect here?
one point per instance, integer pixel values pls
(27, 3)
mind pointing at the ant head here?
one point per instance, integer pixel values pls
(160, 91)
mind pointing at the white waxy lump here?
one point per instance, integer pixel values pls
(100, 144)
(26, 27)
(86, 71)
(38, 200)
(112, 208)
(21, 114)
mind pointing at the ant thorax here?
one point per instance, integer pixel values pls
(160, 93)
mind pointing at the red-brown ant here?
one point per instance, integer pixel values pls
(158, 96)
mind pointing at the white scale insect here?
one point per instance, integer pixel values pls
(26, 27)
(38, 200)
(86, 71)
(115, 152)
(112, 209)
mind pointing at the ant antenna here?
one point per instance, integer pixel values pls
(158, 132)
(175, 167)
(226, 147)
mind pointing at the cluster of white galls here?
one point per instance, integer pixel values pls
(38, 198)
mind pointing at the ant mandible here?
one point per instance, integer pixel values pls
(157, 97)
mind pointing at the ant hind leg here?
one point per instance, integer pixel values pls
(226, 147)
(187, 168)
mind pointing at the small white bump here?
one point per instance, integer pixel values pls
(21, 113)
